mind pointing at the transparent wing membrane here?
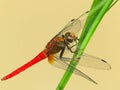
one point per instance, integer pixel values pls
(85, 60)
(64, 65)
(93, 62)
(74, 25)
(90, 61)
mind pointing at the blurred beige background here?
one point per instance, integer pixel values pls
(27, 25)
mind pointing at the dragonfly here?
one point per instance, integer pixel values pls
(61, 45)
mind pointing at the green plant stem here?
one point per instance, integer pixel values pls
(97, 11)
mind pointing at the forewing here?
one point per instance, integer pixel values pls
(87, 60)
(74, 25)
(94, 62)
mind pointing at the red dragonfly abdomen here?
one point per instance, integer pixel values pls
(42, 55)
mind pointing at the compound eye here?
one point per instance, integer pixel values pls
(68, 36)
(70, 39)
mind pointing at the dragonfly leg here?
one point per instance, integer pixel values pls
(70, 47)
(62, 52)
(76, 43)
(73, 45)
(61, 55)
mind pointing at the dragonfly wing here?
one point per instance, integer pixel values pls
(94, 62)
(78, 72)
(64, 65)
(74, 25)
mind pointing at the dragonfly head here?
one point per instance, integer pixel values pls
(70, 37)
